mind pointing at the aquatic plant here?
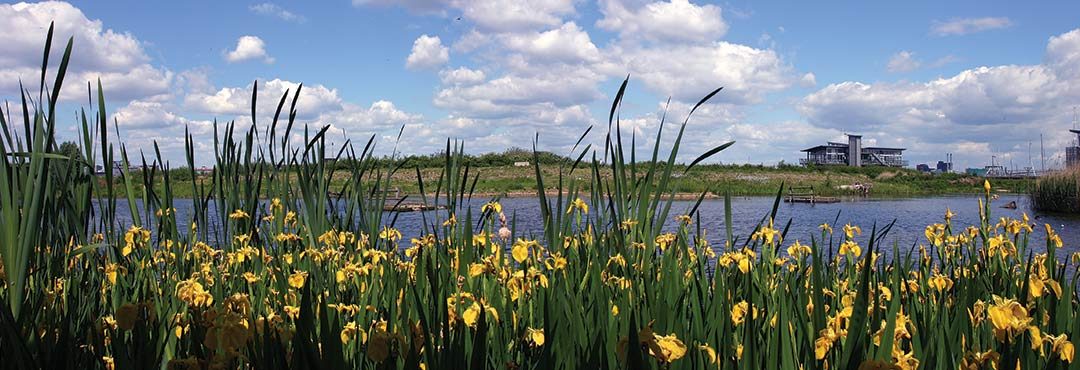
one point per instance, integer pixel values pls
(272, 273)
(1057, 192)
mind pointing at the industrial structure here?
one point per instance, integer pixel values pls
(1072, 152)
(946, 165)
(853, 154)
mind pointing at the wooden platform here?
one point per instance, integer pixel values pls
(810, 199)
(409, 207)
(394, 201)
(805, 194)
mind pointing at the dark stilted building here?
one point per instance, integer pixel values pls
(853, 154)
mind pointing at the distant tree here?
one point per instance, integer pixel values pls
(180, 174)
(70, 149)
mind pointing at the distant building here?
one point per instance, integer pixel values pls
(1072, 152)
(980, 172)
(521, 164)
(853, 154)
(944, 167)
(117, 168)
(922, 167)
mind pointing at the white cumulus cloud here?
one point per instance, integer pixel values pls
(567, 43)
(675, 20)
(139, 114)
(997, 108)
(249, 48)
(236, 101)
(356, 121)
(462, 76)
(534, 67)
(427, 52)
(745, 73)
(1063, 54)
(117, 58)
(511, 94)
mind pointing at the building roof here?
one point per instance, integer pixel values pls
(838, 145)
(821, 147)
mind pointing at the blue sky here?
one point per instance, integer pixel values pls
(978, 79)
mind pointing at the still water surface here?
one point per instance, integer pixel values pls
(911, 215)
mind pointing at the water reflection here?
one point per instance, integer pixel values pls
(911, 216)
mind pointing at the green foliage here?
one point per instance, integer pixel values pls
(1057, 192)
(70, 149)
(506, 158)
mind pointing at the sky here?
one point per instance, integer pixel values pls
(977, 79)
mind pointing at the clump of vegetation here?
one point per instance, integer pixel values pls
(297, 283)
(1057, 192)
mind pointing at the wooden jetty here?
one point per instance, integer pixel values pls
(399, 203)
(394, 206)
(393, 201)
(805, 194)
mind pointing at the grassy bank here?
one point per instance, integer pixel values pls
(743, 180)
(294, 283)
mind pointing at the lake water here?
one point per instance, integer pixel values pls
(911, 216)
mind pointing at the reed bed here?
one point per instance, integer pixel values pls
(1057, 192)
(294, 281)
